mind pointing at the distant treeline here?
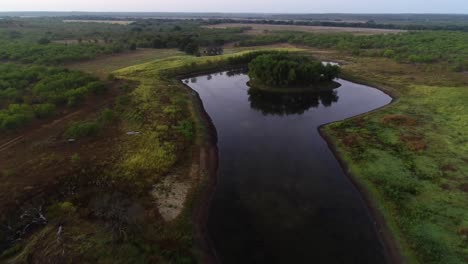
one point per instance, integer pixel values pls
(51, 41)
(410, 47)
(367, 24)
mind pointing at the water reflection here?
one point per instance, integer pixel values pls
(234, 72)
(274, 103)
(281, 196)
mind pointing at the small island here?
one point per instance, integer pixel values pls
(287, 72)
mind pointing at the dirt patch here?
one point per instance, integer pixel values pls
(258, 29)
(414, 143)
(449, 167)
(351, 140)
(464, 188)
(171, 194)
(445, 186)
(398, 120)
(463, 231)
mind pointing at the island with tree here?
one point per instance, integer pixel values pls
(287, 72)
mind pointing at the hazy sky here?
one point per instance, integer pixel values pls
(276, 6)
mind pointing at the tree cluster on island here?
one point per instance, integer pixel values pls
(288, 70)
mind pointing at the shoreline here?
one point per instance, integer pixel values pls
(392, 247)
(208, 161)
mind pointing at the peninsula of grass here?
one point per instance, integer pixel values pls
(284, 72)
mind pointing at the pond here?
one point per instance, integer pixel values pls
(281, 195)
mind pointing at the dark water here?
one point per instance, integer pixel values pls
(281, 195)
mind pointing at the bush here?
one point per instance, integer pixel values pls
(82, 129)
(122, 101)
(96, 87)
(15, 116)
(187, 129)
(107, 116)
(44, 110)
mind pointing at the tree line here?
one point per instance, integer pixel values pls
(367, 24)
(410, 47)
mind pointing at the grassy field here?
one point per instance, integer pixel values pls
(107, 64)
(412, 156)
(258, 29)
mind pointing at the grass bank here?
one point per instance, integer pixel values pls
(412, 156)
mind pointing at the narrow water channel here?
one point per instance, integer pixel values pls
(281, 195)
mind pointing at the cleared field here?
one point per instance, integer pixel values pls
(107, 64)
(116, 22)
(262, 29)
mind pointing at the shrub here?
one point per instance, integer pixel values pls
(96, 87)
(82, 129)
(111, 77)
(122, 101)
(107, 116)
(187, 129)
(44, 110)
(15, 116)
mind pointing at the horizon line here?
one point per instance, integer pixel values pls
(240, 12)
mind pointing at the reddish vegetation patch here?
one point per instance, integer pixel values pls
(449, 167)
(350, 140)
(463, 231)
(399, 120)
(359, 122)
(415, 143)
(464, 188)
(445, 186)
(165, 99)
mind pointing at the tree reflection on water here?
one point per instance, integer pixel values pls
(279, 103)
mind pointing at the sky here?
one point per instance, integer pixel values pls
(251, 6)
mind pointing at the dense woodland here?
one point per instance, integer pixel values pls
(412, 47)
(35, 92)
